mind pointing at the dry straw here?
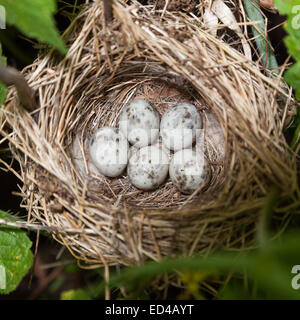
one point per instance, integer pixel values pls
(165, 57)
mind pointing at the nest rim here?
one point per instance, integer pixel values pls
(154, 226)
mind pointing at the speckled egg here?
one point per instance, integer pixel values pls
(109, 151)
(189, 170)
(139, 122)
(180, 125)
(148, 168)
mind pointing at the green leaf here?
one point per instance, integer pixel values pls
(35, 19)
(15, 256)
(285, 6)
(78, 294)
(292, 25)
(89, 292)
(3, 89)
(292, 77)
(262, 41)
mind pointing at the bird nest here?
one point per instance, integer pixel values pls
(164, 57)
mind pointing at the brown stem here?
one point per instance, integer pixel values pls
(10, 76)
(108, 14)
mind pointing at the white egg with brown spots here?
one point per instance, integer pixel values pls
(189, 170)
(139, 122)
(109, 151)
(148, 168)
(180, 125)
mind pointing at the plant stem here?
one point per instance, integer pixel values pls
(10, 76)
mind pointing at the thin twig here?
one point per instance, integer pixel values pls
(42, 228)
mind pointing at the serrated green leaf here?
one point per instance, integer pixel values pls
(286, 6)
(15, 256)
(292, 25)
(291, 8)
(35, 19)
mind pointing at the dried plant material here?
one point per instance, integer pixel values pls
(268, 4)
(175, 5)
(212, 139)
(147, 55)
(223, 12)
(211, 21)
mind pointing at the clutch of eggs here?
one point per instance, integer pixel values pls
(150, 158)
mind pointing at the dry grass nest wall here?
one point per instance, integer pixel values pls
(165, 57)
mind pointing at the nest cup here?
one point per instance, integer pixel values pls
(164, 57)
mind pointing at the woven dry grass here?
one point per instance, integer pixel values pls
(165, 57)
